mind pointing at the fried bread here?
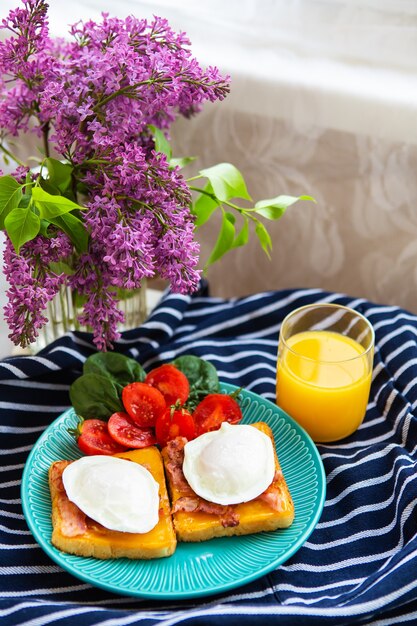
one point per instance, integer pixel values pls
(75, 533)
(196, 519)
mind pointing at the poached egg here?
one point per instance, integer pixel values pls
(117, 493)
(231, 465)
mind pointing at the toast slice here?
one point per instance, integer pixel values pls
(196, 519)
(76, 533)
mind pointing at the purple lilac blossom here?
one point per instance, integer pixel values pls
(32, 283)
(91, 99)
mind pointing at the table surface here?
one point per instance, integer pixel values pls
(359, 564)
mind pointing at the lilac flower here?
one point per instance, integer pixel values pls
(20, 173)
(92, 98)
(32, 284)
(100, 311)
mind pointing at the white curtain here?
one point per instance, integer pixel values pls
(323, 101)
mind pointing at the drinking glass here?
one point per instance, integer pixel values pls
(324, 369)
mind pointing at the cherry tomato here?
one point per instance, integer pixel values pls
(94, 438)
(143, 403)
(174, 423)
(171, 382)
(215, 409)
(124, 431)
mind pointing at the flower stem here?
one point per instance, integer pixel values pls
(11, 155)
(220, 202)
(125, 90)
(188, 180)
(45, 133)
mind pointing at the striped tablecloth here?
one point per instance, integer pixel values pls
(360, 563)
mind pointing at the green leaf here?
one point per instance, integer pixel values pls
(201, 375)
(264, 238)
(59, 267)
(243, 235)
(60, 174)
(227, 181)
(275, 208)
(74, 228)
(43, 230)
(22, 225)
(204, 206)
(181, 162)
(225, 238)
(161, 142)
(95, 396)
(126, 294)
(50, 206)
(117, 367)
(78, 299)
(47, 186)
(26, 198)
(10, 196)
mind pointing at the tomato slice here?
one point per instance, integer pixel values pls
(143, 403)
(94, 438)
(174, 423)
(171, 382)
(215, 409)
(125, 432)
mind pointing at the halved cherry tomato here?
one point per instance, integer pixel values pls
(171, 382)
(174, 423)
(124, 431)
(143, 403)
(215, 409)
(94, 438)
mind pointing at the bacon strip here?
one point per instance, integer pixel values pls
(73, 521)
(175, 450)
(272, 495)
(192, 504)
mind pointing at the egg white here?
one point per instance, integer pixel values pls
(231, 465)
(117, 493)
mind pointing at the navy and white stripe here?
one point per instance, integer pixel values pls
(360, 563)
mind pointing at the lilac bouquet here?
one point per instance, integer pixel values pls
(104, 204)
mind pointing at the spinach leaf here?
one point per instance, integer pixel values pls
(201, 375)
(115, 366)
(95, 396)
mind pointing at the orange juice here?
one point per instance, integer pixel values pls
(323, 382)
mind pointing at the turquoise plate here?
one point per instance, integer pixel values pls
(195, 569)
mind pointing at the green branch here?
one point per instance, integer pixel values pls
(11, 155)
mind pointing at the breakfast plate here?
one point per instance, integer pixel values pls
(195, 569)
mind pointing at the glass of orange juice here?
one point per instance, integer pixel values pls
(324, 369)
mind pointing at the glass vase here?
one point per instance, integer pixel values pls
(62, 313)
